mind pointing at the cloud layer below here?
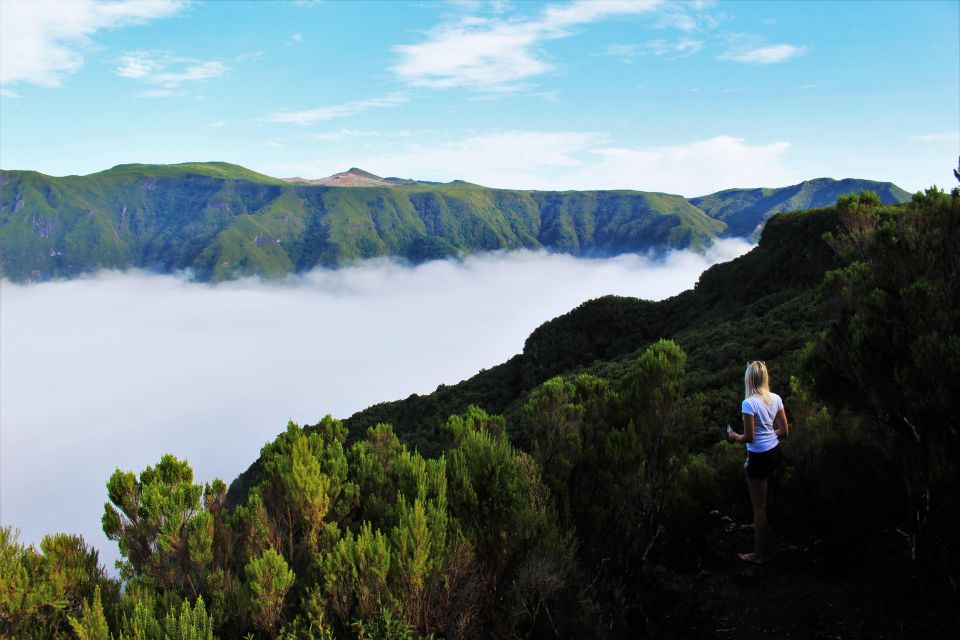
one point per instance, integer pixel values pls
(116, 369)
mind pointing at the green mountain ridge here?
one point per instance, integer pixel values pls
(223, 221)
(746, 210)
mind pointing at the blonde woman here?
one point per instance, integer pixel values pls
(764, 424)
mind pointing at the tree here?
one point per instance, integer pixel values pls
(502, 507)
(163, 531)
(39, 591)
(29, 603)
(565, 419)
(663, 415)
(300, 495)
(355, 573)
(268, 579)
(92, 624)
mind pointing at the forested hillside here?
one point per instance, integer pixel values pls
(222, 221)
(605, 501)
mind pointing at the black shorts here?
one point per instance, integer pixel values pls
(761, 466)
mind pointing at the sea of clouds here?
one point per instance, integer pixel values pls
(116, 369)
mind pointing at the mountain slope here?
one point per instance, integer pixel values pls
(223, 221)
(746, 210)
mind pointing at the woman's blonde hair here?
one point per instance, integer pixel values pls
(756, 381)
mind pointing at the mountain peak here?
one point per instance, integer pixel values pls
(352, 177)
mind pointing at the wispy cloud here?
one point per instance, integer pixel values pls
(689, 16)
(496, 54)
(216, 124)
(626, 53)
(332, 112)
(166, 70)
(253, 56)
(751, 49)
(294, 39)
(41, 42)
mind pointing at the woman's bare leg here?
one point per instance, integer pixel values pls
(758, 497)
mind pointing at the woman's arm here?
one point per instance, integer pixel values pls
(780, 425)
(748, 428)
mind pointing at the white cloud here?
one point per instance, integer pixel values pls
(137, 66)
(216, 124)
(496, 54)
(249, 57)
(331, 112)
(694, 169)
(41, 42)
(571, 160)
(682, 48)
(768, 54)
(689, 16)
(167, 70)
(116, 370)
(502, 159)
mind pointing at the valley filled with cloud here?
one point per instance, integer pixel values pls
(116, 369)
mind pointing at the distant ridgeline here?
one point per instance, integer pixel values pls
(224, 221)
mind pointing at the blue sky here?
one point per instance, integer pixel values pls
(683, 97)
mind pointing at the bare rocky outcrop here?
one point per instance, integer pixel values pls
(43, 225)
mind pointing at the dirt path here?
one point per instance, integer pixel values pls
(794, 595)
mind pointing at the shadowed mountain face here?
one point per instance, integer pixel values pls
(223, 221)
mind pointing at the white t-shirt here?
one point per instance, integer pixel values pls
(764, 438)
